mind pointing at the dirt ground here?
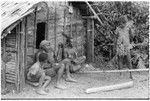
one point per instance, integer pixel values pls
(77, 90)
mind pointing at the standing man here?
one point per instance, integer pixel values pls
(123, 44)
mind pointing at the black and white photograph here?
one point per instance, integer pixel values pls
(74, 50)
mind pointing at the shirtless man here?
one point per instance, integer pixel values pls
(37, 74)
(70, 54)
(123, 44)
(53, 68)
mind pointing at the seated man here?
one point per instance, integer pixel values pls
(70, 54)
(37, 74)
(53, 67)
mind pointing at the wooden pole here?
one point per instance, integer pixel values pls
(92, 40)
(47, 26)
(111, 87)
(115, 71)
(18, 58)
(64, 27)
(94, 12)
(34, 33)
(4, 66)
(55, 28)
(22, 51)
(25, 45)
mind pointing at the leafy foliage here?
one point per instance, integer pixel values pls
(109, 13)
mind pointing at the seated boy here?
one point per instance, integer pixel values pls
(37, 74)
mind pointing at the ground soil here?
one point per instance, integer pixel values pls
(77, 90)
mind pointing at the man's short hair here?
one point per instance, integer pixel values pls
(43, 57)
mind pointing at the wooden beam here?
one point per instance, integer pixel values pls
(115, 71)
(94, 13)
(88, 17)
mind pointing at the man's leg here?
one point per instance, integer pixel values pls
(47, 82)
(129, 63)
(60, 72)
(77, 67)
(68, 73)
(120, 64)
(41, 89)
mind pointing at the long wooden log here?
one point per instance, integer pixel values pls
(111, 87)
(115, 71)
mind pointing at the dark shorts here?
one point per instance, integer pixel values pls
(50, 72)
(35, 78)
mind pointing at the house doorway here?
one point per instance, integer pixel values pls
(40, 33)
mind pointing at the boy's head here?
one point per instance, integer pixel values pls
(122, 21)
(43, 57)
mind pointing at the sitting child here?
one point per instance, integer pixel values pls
(37, 74)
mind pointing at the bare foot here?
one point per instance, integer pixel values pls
(33, 83)
(41, 92)
(46, 90)
(60, 87)
(71, 80)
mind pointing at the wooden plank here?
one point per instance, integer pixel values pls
(94, 13)
(11, 81)
(116, 71)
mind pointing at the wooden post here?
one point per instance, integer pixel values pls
(94, 13)
(18, 57)
(64, 27)
(55, 28)
(22, 64)
(76, 35)
(71, 24)
(88, 48)
(34, 33)
(4, 66)
(25, 45)
(92, 40)
(47, 25)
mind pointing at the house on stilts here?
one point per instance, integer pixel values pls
(26, 24)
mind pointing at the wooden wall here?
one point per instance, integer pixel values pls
(71, 24)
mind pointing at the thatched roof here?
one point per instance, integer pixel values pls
(14, 11)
